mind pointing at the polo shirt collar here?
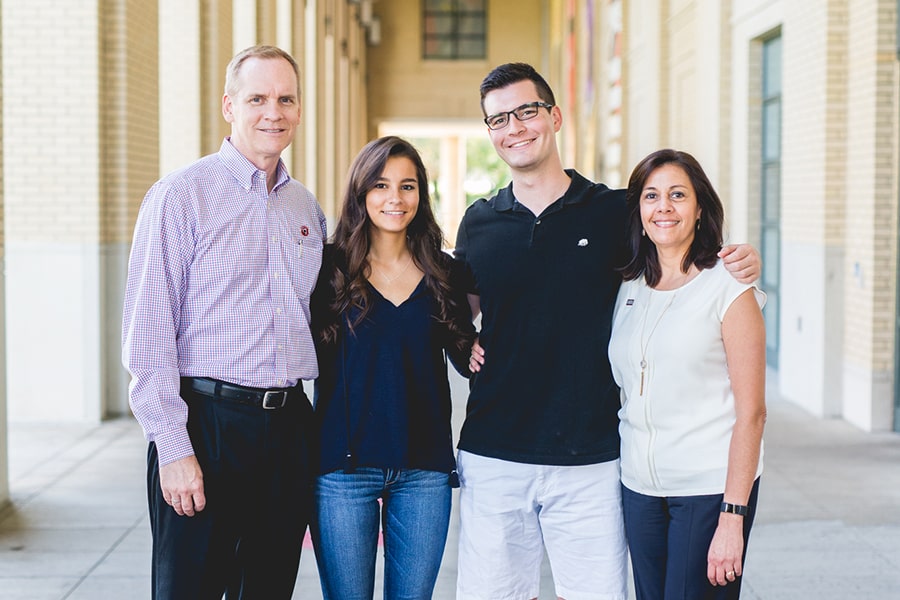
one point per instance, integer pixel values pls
(506, 200)
(245, 171)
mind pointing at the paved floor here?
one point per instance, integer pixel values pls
(828, 526)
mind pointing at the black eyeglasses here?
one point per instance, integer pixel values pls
(522, 113)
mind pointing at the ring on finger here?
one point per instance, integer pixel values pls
(729, 574)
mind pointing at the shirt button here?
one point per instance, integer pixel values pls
(278, 311)
(274, 238)
(275, 275)
(281, 346)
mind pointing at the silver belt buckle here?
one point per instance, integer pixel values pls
(274, 399)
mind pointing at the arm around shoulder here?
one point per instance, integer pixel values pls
(742, 261)
(462, 333)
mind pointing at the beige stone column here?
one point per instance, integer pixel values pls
(60, 224)
(4, 437)
(870, 209)
(325, 89)
(180, 88)
(450, 185)
(307, 150)
(334, 97)
(646, 60)
(129, 163)
(79, 172)
(291, 34)
(216, 50)
(357, 45)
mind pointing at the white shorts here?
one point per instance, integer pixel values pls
(510, 512)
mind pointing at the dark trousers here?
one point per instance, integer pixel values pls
(669, 538)
(246, 543)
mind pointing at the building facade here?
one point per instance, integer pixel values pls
(791, 106)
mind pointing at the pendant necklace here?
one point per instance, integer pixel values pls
(384, 276)
(645, 344)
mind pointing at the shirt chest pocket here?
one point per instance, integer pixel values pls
(303, 258)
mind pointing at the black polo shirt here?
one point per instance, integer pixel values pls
(548, 287)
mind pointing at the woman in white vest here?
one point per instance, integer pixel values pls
(688, 352)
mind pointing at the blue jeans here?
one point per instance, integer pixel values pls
(414, 506)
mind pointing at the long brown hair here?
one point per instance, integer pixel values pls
(351, 242)
(708, 237)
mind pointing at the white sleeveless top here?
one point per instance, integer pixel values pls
(676, 430)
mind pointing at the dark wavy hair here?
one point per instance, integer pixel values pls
(708, 236)
(351, 242)
(510, 73)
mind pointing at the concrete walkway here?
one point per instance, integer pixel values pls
(828, 526)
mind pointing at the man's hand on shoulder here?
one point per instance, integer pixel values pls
(742, 261)
(182, 486)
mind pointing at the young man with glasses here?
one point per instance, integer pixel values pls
(539, 448)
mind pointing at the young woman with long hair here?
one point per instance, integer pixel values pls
(387, 314)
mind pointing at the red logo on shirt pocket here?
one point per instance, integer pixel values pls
(304, 230)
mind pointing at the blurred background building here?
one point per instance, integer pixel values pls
(792, 106)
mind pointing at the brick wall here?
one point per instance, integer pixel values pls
(51, 118)
(871, 194)
(129, 117)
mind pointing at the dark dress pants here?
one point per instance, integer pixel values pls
(669, 538)
(246, 543)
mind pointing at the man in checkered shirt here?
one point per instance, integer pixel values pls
(216, 338)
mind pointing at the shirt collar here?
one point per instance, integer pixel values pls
(506, 200)
(245, 171)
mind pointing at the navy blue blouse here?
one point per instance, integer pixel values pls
(382, 397)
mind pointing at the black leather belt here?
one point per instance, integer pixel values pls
(270, 399)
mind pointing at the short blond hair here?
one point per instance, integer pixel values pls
(264, 52)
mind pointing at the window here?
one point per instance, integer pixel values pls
(770, 248)
(454, 29)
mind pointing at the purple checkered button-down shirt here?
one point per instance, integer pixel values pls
(219, 281)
